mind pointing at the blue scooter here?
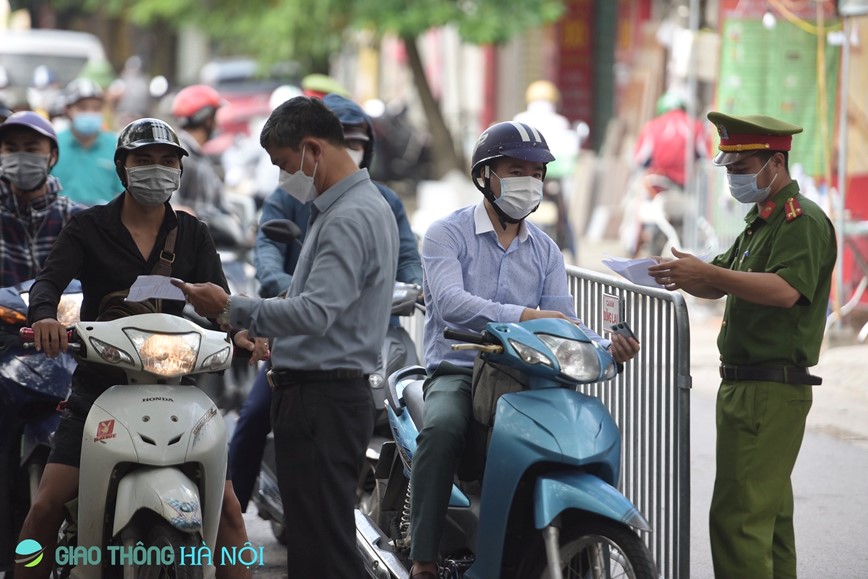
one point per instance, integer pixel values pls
(547, 505)
(31, 386)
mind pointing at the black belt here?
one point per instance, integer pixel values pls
(785, 374)
(286, 378)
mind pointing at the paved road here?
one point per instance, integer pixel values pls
(829, 481)
(259, 533)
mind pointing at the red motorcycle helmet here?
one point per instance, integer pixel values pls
(195, 104)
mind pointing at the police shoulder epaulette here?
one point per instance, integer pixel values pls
(792, 209)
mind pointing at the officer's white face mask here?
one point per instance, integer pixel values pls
(519, 196)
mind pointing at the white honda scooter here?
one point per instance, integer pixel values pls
(153, 460)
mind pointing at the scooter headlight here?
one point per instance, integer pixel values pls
(69, 309)
(578, 360)
(166, 354)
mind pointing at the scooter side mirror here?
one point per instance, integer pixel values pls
(281, 230)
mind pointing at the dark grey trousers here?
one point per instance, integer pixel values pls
(440, 445)
(321, 431)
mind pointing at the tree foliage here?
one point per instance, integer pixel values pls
(478, 21)
(308, 30)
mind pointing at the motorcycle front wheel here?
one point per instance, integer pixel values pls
(161, 534)
(595, 549)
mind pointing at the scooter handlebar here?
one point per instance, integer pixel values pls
(464, 336)
(27, 336)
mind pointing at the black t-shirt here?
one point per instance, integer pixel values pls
(97, 248)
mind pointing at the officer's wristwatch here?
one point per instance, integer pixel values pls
(223, 317)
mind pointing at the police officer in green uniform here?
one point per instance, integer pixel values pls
(776, 278)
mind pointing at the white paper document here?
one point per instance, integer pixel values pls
(635, 270)
(154, 286)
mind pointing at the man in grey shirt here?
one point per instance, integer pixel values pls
(327, 333)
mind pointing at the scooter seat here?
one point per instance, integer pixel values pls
(414, 400)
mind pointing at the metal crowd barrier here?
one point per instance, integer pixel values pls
(650, 401)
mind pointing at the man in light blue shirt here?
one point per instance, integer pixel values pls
(482, 264)
(327, 335)
(86, 166)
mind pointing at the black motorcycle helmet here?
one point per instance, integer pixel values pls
(140, 133)
(507, 139)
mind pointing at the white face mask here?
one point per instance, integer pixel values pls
(519, 196)
(744, 187)
(356, 156)
(298, 184)
(153, 184)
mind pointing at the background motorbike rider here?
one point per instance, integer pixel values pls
(275, 263)
(107, 247)
(32, 213)
(484, 263)
(195, 111)
(543, 98)
(32, 210)
(86, 168)
(661, 153)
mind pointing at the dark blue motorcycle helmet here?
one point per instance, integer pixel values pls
(355, 122)
(508, 139)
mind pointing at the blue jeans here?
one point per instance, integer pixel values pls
(248, 441)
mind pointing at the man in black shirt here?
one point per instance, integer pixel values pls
(107, 247)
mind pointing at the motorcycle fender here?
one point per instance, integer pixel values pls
(38, 434)
(165, 491)
(557, 492)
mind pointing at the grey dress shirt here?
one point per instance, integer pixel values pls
(337, 308)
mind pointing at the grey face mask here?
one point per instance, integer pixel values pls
(744, 188)
(27, 171)
(153, 184)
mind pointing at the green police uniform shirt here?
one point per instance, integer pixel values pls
(794, 239)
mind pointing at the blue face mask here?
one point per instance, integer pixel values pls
(87, 124)
(744, 187)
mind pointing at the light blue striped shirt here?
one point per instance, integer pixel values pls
(470, 279)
